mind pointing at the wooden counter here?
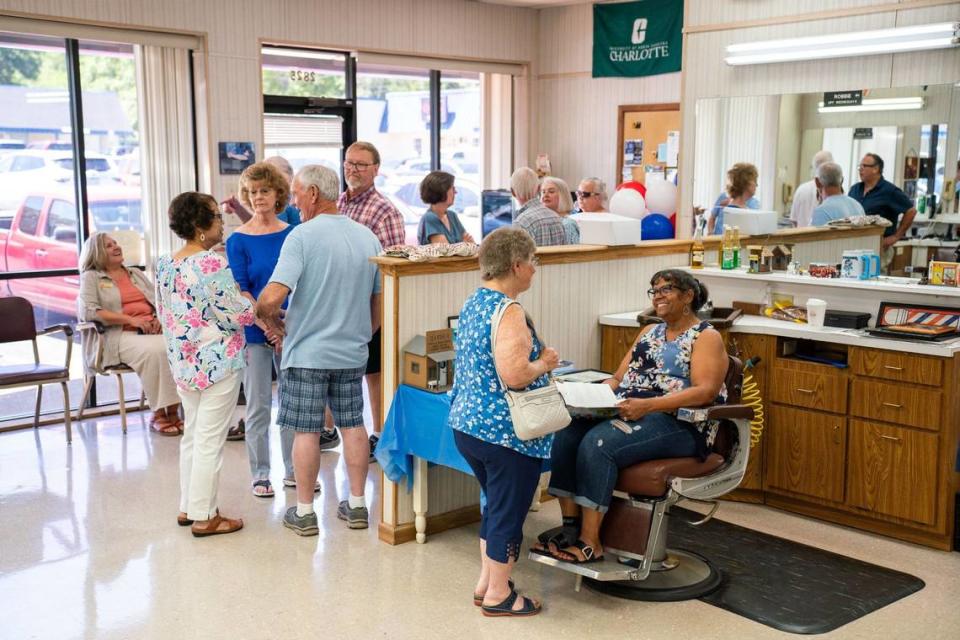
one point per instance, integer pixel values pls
(573, 286)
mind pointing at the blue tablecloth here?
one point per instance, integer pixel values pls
(417, 426)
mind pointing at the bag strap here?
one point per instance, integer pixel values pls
(495, 319)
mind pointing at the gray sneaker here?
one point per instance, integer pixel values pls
(329, 439)
(301, 525)
(356, 518)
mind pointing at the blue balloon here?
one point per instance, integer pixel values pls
(656, 226)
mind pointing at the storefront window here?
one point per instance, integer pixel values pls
(461, 142)
(303, 73)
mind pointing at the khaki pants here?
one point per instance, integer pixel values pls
(207, 416)
(147, 355)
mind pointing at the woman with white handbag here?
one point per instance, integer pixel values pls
(498, 352)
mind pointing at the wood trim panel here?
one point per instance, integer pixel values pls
(572, 254)
(832, 14)
(407, 531)
(122, 26)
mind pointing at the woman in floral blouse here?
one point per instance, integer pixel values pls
(680, 362)
(203, 315)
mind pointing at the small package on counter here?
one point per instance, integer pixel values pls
(944, 273)
(786, 312)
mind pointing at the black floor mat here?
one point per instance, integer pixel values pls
(786, 585)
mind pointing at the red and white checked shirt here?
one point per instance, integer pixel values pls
(375, 212)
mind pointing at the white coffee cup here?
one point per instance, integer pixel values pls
(816, 312)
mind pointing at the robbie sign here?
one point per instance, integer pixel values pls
(635, 39)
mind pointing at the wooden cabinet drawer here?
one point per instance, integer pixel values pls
(893, 365)
(806, 451)
(826, 391)
(614, 344)
(892, 471)
(899, 404)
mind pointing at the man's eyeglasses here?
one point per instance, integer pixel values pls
(587, 194)
(866, 166)
(358, 166)
(664, 290)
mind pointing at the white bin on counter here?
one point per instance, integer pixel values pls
(751, 221)
(607, 228)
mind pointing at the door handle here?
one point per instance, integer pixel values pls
(891, 438)
(892, 368)
(804, 390)
(836, 434)
(892, 405)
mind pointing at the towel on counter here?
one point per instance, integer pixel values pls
(431, 251)
(860, 221)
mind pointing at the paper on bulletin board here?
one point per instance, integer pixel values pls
(662, 152)
(673, 148)
(632, 153)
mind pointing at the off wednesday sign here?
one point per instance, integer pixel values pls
(634, 39)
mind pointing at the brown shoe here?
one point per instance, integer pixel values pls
(216, 526)
(183, 520)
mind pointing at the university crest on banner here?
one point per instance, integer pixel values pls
(634, 39)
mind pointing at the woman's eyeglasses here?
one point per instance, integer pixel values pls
(587, 194)
(658, 291)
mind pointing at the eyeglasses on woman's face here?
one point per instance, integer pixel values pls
(661, 291)
(583, 195)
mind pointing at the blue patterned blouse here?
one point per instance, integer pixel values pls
(659, 367)
(478, 403)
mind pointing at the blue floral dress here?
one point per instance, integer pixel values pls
(478, 402)
(659, 367)
(203, 316)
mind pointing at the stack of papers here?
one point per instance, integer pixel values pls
(586, 395)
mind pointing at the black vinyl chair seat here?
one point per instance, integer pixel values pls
(25, 373)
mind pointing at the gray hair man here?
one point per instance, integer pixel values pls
(806, 198)
(543, 225)
(325, 344)
(592, 195)
(834, 205)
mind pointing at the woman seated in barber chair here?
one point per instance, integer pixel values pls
(680, 362)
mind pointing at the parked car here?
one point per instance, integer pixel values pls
(43, 236)
(29, 171)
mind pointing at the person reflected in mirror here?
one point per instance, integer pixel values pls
(807, 196)
(740, 191)
(543, 224)
(440, 224)
(555, 195)
(885, 199)
(834, 205)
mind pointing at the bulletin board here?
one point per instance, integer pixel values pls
(648, 137)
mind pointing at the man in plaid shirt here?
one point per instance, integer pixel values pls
(362, 203)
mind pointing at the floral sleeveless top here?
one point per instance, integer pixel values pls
(478, 403)
(659, 367)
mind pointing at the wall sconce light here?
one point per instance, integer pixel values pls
(844, 45)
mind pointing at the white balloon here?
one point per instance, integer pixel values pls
(661, 196)
(628, 203)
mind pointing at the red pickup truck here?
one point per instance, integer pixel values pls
(42, 235)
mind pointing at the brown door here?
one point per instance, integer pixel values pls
(806, 452)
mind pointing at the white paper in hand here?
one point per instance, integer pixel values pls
(587, 396)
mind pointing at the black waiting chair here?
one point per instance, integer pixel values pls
(18, 325)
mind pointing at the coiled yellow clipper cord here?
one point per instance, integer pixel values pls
(750, 396)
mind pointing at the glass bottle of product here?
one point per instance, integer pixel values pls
(726, 261)
(736, 247)
(696, 248)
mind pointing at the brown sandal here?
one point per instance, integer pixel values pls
(216, 525)
(164, 426)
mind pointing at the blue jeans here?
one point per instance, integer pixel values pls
(587, 455)
(258, 387)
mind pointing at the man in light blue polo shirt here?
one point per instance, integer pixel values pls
(834, 205)
(334, 309)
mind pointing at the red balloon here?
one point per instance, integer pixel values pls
(673, 221)
(636, 186)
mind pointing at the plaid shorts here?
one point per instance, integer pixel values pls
(305, 393)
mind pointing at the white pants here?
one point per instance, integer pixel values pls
(207, 417)
(147, 355)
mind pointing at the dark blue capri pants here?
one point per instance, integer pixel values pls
(587, 455)
(508, 479)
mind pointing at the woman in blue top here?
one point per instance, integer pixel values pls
(741, 187)
(440, 225)
(507, 468)
(253, 250)
(680, 362)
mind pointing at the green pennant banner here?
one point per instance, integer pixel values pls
(633, 39)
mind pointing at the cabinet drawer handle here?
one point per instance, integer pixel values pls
(891, 438)
(892, 368)
(892, 405)
(804, 390)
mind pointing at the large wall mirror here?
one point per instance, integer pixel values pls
(915, 130)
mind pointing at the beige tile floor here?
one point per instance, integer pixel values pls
(89, 549)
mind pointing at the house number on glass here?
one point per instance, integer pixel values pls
(303, 76)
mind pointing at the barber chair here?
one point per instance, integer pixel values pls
(637, 562)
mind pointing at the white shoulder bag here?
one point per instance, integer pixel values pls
(535, 413)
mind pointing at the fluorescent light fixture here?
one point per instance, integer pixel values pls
(876, 104)
(845, 45)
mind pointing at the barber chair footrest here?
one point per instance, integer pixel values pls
(605, 569)
(692, 577)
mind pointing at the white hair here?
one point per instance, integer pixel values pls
(821, 157)
(282, 164)
(600, 187)
(524, 183)
(565, 205)
(830, 174)
(324, 179)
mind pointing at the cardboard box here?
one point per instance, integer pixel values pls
(428, 361)
(607, 229)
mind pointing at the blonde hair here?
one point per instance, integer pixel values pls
(565, 205)
(94, 255)
(739, 178)
(271, 176)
